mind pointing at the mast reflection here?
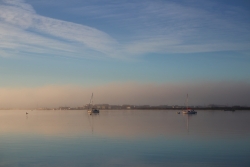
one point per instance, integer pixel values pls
(91, 118)
(188, 117)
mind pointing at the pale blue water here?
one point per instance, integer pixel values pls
(124, 138)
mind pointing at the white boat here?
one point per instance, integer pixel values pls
(188, 111)
(91, 109)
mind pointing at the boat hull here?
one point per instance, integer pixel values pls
(189, 112)
(93, 111)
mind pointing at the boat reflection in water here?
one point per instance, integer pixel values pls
(91, 117)
(188, 116)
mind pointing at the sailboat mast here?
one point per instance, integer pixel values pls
(187, 102)
(91, 100)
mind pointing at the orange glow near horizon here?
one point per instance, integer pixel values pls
(126, 93)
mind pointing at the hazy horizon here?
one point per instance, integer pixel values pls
(222, 93)
(128, 52)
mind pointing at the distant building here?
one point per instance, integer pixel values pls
(128, 107)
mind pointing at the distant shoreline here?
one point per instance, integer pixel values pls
(149, 108)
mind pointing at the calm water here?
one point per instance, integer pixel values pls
(124, 138)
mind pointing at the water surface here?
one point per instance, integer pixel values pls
(124, 138)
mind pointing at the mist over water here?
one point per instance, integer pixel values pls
(124, 138)
(205, 93)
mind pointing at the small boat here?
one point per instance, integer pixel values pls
(92, 110)
(178, 112)
(27, 113)
(188, 111)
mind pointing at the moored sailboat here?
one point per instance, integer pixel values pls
(188, 110)
(91, 109)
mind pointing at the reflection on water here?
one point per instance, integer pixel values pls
(91, 118)
(124, 138)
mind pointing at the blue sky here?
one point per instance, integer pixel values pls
(94, 44)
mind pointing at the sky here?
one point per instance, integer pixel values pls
(56, 53)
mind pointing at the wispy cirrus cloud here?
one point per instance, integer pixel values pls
(23, 30)
(173, 27)
(134, 28)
